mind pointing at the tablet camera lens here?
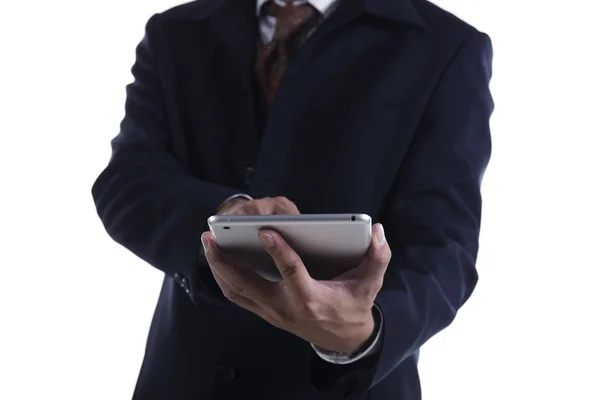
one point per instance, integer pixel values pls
(353, 218)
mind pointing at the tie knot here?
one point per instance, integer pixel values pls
(290, 15)
(290, 10)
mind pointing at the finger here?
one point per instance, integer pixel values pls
(372, 268)
(248, 208)
(240, 282)
(284, 209)
(285, 206)
(238, 211)
(288, 262)
(232, 206)
(234, 297)
(265, 206)
(259, 207)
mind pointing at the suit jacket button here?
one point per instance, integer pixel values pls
(184, 285)
(248, 175)
(177, 278)
(226, 373)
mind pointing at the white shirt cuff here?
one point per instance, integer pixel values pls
(345, 358)
(240, 196)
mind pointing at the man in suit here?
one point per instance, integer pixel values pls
(269, 107)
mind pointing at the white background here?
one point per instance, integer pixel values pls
(75, 307)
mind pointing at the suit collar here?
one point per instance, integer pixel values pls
(321, 5)
(236, 22)
(398, 10)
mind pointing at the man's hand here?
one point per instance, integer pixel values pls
(333, 315)
(264, 206)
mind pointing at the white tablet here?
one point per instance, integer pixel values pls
(329, 244)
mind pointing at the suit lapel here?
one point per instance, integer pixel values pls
(235, 25)
(295, 92)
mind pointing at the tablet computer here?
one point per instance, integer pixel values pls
(329, 244)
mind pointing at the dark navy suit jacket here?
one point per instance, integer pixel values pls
(385, 111)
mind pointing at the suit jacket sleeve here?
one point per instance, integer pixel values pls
(147, 201)
(432, 223)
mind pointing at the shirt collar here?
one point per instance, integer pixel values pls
(320, 5)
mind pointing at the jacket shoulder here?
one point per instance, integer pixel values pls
(170, 22)
(443, 24)
(194, 10)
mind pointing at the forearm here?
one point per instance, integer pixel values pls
(433, 222)
(432, 219)
(146, 197)
(159, 214)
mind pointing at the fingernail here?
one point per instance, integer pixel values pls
(380, 236)
(205, 243)
(266, 240)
